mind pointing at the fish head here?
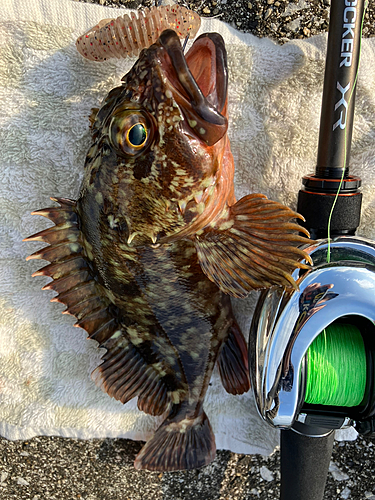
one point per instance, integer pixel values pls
(160, 138)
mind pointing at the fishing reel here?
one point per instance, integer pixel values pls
(312, 350)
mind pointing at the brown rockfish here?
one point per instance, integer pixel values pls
(148, 255)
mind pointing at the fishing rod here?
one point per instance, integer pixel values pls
(312, 351)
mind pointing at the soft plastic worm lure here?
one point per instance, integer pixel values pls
(127, 36)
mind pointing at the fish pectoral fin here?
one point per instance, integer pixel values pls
(233, 363)
(180, 443)
(252, 246)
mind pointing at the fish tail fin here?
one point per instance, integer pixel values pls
(179, 444)
(233, 363)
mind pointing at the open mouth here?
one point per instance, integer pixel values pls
(199, 82)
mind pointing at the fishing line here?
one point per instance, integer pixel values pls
(185, 42)
(345, 139)
(336, 367)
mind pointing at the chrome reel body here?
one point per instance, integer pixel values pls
(286, 323)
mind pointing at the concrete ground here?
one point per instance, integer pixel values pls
(49, 468)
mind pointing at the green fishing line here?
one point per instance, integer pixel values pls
(336, 367)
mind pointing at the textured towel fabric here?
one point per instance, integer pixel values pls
(46, 92)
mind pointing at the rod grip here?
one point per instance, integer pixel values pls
(316, 209)
(304, 465)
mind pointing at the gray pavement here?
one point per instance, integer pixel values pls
(49, 468)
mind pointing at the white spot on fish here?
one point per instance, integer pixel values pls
(132, 236)
(74, 247)
(226, 225)
(112, 221)
(200, 207)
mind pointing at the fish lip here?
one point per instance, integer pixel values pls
(203, 112)
(219, 98)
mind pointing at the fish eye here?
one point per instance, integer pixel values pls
(137, 135)
(131, 131)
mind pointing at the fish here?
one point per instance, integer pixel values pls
(150, 254)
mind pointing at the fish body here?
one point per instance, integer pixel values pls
(148, 255)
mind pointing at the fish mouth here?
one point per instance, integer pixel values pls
(198, 82)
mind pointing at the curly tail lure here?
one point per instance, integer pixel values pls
(127, 36)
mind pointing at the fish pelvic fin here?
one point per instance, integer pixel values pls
(252, 245)
(233, 362)
(180, 443)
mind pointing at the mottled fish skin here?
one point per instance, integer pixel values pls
(147, 255)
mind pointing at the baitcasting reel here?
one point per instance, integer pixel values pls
(312, 351)
(338, 295)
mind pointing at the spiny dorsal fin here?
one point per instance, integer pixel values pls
(252, 246)
(92, 117)
(72, 277)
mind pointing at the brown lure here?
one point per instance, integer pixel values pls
(127, 36)
(148, 255)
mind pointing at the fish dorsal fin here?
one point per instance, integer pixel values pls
(69, 269)
(92, 117)
(252, 246)
(123, 373)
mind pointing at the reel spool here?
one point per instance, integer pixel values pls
(336, 367)
(337, 377)
(312, 351)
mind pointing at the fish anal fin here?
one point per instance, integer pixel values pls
(179, 444)
(233, 362)
(253, 245)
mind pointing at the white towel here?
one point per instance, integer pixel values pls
(46, 92)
